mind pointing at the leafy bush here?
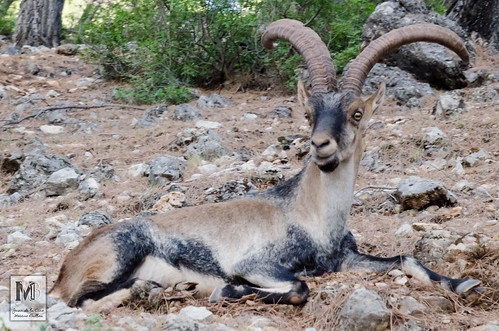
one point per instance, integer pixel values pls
(159, 46)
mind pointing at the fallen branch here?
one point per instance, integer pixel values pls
(39, 111)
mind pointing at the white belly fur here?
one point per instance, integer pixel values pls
(157, 270)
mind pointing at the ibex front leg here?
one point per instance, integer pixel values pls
(354, 260)
(271, 284)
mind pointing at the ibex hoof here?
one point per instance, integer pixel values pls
(216, 295)
(469, 286)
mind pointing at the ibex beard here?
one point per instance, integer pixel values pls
(265, 243)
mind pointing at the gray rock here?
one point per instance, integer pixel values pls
(207, 147)
(36, 168)
(3, 92)
(364, 310)
(95, 219)
(484, 94)
(186, 112)
(11, 162)
(400, 85)
(12, 50)
(427, 61)
(448, 104)
(17, 238)
(89, 188)
(464, 186)
(418, 193)
(86, 127)
(103, 171)
(411, 306)
(213, 101)
(208, 125)
(438, 304)
(33, 69)
(432, 248)
(404, 230)
(474, 158)
(232, 189)
(280, 112)
(140, 169)
(476, 78)
(57, 116)
(67, 49)
(130, 324)
(165, 169)
(198, 314)
(433, 137)
(175, 323)
(150, 116)
(61, 182)
(370, 162)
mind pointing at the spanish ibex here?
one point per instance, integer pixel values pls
(263, 243)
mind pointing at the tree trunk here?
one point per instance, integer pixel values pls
(39, 23)
(481, 16)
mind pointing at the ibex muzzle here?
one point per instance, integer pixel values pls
(262, 243)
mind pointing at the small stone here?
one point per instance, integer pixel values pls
(438, 303)
(281, 112)
(17, 238)
(140, 169)
(448, 104)
(208, 125)
(404, 230)
(207, 169)
(199, 314)
(249, 117)
(473, 159)
(411, 306)
(52, 129)
(186, 112)
(364, 310)
(169, 202)
(95, 219)
(61, 182)
(418, 193)
(213, 101)
(420, 226)
(89, 188)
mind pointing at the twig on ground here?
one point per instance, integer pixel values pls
(39, 111)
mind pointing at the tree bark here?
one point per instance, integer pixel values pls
(481, 16)
(39, 23)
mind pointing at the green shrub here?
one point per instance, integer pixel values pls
(159, 46)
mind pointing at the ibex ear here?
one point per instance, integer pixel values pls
(303, 95)
(376, 100)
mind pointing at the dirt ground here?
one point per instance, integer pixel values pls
(117, 143)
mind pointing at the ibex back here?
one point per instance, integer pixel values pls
(262, 243)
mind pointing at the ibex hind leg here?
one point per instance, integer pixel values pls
(412, 267)
(276, 286)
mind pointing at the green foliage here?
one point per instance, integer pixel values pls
(439, 6)
(7, 19)
(160, 45)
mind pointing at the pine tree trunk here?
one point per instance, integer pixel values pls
(481, 16)
(39, 23)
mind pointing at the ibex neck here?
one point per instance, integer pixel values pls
(323, 200)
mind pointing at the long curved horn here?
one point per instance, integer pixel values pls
(365, 61)
(310, 46)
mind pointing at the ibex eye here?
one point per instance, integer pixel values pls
(357, 115)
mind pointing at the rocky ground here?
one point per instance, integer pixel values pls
(73, 158)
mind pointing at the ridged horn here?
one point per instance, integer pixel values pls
(311, 47)
(365, 61)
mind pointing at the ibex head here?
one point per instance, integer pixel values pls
(340, 117)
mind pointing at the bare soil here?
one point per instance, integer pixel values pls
(398, 142)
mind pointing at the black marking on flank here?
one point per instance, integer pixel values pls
(191, 254)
